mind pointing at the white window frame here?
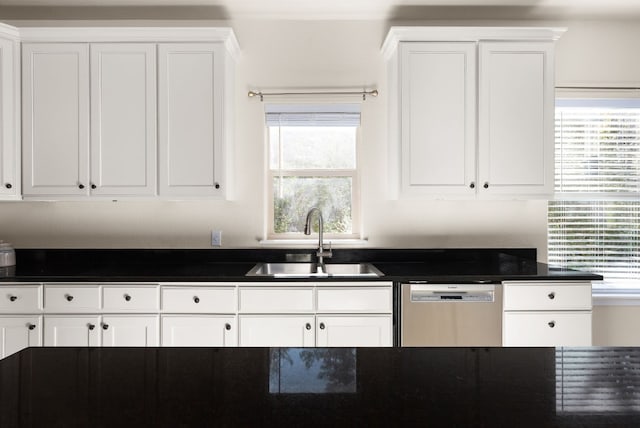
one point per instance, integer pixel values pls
(354, 174)
(606, 291)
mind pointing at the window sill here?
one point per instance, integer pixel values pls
(618, 298)
(312, 243)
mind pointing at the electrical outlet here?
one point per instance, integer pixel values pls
(216, 238)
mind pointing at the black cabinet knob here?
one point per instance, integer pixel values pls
(31, 326)
(322, 326)
(486, 185)
(91, 326)
(217, 186)
(69, 297)
(227, 326)
(105, 326)
(552, 324)
(13, 298)
(127, 297)
(80, 186)
(93, 186)
(196, 299)
(472, 185)
(552, 295)
(8, 186)
(308, 326)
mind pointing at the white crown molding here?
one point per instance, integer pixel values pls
(9, 32)
(131, 34)
(466, 34)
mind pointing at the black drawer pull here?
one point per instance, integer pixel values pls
(552, 295)
(31, 326)
(127, 297)
(91, 326)
(227, 326)
(13, 298)
(196, 299)
(322, 326)
(69, 297)
(552, 324)
(105, 326)
(307, 326)
(8, 186)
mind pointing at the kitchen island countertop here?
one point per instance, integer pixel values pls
(320, 387)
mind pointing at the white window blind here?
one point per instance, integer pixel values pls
(347, 115)
(594, 223)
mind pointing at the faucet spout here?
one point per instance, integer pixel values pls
(321, 253)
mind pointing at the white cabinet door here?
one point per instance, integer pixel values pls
(284, 330)
(191, 131)
(516, 118)
(438, 108)
(123, 119)
(546, 328)
(129, 330)
(199, 330)
(55, 119)
(72, 330)
(19, 332)
(9, 120)
(351, 331)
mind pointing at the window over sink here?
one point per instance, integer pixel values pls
(312, 162)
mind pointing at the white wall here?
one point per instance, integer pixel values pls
(312, 54)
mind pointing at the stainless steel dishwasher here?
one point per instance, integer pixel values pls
(451, 314)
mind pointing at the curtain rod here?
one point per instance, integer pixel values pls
(601, 88)
(373, 93)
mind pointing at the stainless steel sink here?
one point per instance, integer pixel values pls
(309, 270)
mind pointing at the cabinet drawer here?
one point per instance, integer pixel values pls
(373, 300)
(21, 299)
(71, 298)
(199, 299)
(547, 296)
(546, 329)
(265, 300)
(133, 298)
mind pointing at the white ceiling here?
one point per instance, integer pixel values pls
(358, 9)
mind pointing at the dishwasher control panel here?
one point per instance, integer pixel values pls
(452, 293)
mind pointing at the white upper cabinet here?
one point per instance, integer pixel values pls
(55, 100)
(438, 92)
(516, 118)
(107, 112)
(9, 114)
(191, 116)
(471, 111)
(123, 119)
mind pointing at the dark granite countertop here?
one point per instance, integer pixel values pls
(319, 387)
(142, 265)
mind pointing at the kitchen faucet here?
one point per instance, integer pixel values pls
(321, 253)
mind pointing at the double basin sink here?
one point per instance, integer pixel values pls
(313, 270)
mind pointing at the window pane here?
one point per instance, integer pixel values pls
(295, 196)
(312, 147)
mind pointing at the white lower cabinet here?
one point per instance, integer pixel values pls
(129, 330)
(277, 330)
(547, 328)
(19, 332)
(72, 330)
(349, 331)
(199, 330)
(545, 313)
